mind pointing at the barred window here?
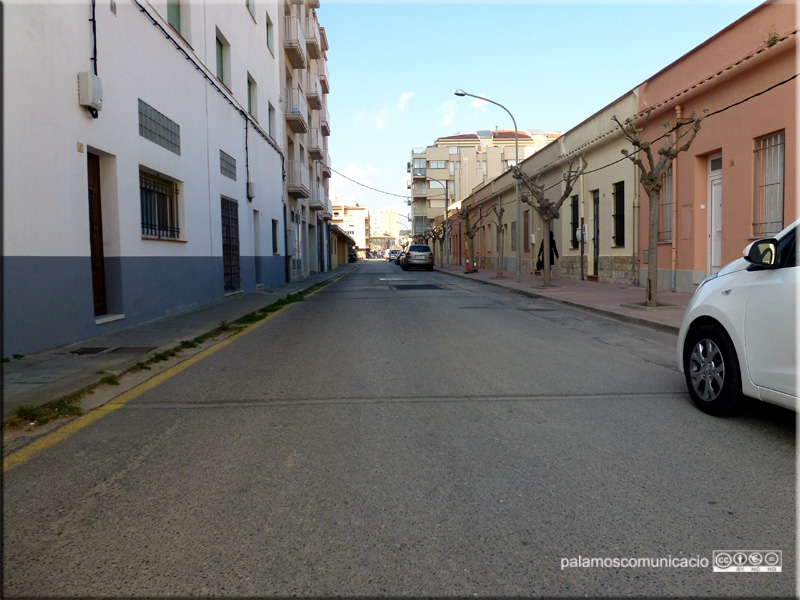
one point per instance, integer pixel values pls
(227, 165)
(159, 201)
(769, 180)
(575, 222)
(158, 128)
(665, 209)
(619, 213)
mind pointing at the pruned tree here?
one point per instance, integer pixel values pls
(548, 210)
(652, 179)
(438, 233)
(498, 211)
(471, 229)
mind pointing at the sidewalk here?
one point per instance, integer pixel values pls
(609, 299)
(53, 374)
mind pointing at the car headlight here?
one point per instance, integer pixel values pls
(706, 280)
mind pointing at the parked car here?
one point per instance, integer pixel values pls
(387, 253)
(398, 260)
(393, 254)
(418, 256)
(737, 339)
(352, 257)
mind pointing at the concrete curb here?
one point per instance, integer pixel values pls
(665, 327)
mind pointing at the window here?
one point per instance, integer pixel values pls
(437, 164)
(665, 209)
(769, 182)
(223, 59)
(452, 167)
(249, 4)
(619, 213)
(419, 166)
(270, 35)
(227, 165)
(271, 131)
(455, 150)
(252, 96)
(526, 227)
(514, 236)
(158, 128)
(159, 204)
(576, 221)
(274, 236)
(174, 14)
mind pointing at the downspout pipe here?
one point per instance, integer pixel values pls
(674, 236)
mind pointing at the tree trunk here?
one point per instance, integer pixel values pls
(546, 246)
(471, 257)
(651, 297)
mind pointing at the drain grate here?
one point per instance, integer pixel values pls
(85, 351)
(420, 286)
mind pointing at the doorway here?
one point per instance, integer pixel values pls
(714, 213)
(596, 226)
(230, 245)
(96, 236)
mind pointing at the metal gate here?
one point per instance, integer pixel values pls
(230, 245)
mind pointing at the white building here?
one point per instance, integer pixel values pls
(170, 118)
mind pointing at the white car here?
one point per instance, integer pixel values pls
(738, 335)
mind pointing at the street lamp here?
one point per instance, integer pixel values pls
(516, 181)
(446, 185)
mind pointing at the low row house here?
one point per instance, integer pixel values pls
(736, 182)
(157, 157)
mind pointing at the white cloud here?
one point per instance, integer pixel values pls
(480, 105)
(404, 98)
(448, 112)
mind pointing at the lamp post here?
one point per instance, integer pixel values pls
(446, 184)
(516, 181)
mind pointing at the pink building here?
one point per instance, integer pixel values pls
(738, 180)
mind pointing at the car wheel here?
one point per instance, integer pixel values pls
(712, 371)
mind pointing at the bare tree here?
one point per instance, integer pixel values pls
(548, 210)
(438, 233)
(471, 229)
(498, 211)
(652, 179)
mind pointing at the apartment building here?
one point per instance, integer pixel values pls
(305, 99)
(443, 174)
(180, 146)
(355, 222)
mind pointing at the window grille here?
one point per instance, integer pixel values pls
(619, 213)
(227, 165)
(575, 222)
(159, 203)
(665, 209)
(769, 182)
(158, 128)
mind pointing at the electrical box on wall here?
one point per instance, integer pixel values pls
(90, 90)
(251, 192)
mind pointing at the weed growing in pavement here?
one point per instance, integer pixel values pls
(39, 415)
(110, 380)
(18, 356)
(5, 360)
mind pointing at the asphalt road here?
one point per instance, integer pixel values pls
(385, 439)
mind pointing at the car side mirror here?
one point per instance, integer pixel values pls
(763, 253)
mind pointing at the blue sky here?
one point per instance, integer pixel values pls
(394, 67)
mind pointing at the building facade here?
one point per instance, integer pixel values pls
(180, 147)
(355, 222)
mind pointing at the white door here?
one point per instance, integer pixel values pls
(714, 213)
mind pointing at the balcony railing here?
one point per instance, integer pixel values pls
(297, 179)
(325, 166)
(294, 44)
(324, 122)
(322, 69)
(311, 31)
(296, 110)
(315, 144)
(312, 90)
(323, 39)
(316, 200)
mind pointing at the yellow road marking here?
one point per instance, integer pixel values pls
(59, 435)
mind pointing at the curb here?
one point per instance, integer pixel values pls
(665, 327)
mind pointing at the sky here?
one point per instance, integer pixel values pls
(394, 67)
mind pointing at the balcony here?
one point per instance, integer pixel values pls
(316, 201)
(315, 144)
(323, 39)
(324, 122)
(313, 46)
(294, 44)
(322, 69)
(296, 110)
(312, 91)
(297, 179)
(313, 3)
(420, 173)
(325, 165)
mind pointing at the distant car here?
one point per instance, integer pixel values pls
(386, 254)
(393, 254)
(418, 256)
(398, 260)
(352, 257)
(737, 338)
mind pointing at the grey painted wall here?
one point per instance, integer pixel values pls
(47, 301)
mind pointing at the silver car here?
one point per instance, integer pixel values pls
(419, 256)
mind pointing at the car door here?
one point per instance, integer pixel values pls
(771, 322)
